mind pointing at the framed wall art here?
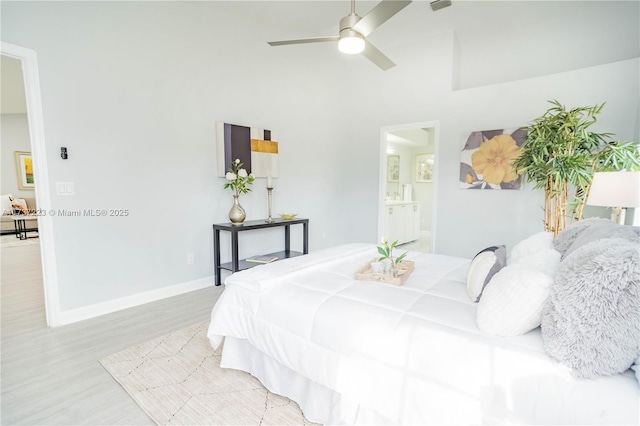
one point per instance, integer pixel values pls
(256, 148)
(424, 167)
(24, 167)
(486, 157)
(393, 168)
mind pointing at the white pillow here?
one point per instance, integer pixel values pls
(483, 267)
(5, 204)
(512, 303)
(543, 260)
(536, 242)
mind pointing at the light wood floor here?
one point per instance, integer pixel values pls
(422, 244)
(52, 376)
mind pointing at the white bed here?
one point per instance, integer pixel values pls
(360, 352)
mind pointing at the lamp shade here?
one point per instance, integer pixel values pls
(615, 189)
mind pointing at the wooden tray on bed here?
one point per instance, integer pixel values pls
(404, 268)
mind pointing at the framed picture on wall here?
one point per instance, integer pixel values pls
(424, 167)
(255, 147)
(393, 168)
(24, 167)
(486, 156)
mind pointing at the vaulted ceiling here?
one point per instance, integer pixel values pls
(496, 41)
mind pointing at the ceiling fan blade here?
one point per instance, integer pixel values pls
(379, 15)
(304, 40)
(377, 57)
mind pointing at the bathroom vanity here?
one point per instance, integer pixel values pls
(402, 221)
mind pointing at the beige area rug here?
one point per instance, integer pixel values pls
(177, 380)
(10, 240)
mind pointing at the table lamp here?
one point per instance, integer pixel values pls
(617, 190)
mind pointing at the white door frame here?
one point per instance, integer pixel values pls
(31, 77)
(435, 125)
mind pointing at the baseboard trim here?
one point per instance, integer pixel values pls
(103, 308)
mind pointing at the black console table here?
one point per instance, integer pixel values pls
(238, 265)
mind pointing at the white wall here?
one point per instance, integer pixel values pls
(134, 91)
(468, 221)
(13, 99)
(14, 135)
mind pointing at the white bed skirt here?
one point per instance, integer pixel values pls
(316, 401)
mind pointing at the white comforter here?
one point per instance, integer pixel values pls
(409, 354)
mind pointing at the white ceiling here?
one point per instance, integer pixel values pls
(497, 41)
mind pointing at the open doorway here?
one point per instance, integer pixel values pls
(17, 183)
(408, 182)
(29, 65)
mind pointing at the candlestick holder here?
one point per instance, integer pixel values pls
(269, 195)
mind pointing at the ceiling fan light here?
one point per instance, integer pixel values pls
(351, 44)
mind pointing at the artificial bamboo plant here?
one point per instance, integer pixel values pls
(561, 154)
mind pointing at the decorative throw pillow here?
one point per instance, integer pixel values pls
(536, 242)
(591, 322)
(19, 206)
(543, 260)
(483, 267)
(568, 235)
(512, 303)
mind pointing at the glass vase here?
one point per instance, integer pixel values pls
(393, 271)
(237, 214)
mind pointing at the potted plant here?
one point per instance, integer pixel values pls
(386, 252)
(561, 154)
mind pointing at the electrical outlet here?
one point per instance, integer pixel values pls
(190, 259)
(324, 234)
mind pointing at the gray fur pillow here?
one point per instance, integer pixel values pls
(591, 321)
(600, 230)
(568, 235)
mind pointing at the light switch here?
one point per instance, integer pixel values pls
(65, 188)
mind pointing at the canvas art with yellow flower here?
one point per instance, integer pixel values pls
(487, 159)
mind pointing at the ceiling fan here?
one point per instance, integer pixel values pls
(354, 29)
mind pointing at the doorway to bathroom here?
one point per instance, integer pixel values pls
(408, 185)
